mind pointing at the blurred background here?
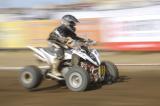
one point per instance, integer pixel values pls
(117, 25)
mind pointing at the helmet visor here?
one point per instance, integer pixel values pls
(72, 23)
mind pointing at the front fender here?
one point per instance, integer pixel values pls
(83, 56)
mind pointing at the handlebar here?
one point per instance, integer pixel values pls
(89, 42)
(78, 44)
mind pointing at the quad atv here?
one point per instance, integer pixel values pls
(80, 67)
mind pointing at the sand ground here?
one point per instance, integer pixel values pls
(137, 86)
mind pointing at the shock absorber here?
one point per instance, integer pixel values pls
(75, 59)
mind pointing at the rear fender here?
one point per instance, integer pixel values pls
(38, 53)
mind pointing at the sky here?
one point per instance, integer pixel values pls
(31, 3)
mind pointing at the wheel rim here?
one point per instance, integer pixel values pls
(75, 80)
(27, 77)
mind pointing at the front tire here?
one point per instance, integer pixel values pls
(77, 79)
(112, 73)
(30, 77)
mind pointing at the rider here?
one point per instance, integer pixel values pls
(63, 36)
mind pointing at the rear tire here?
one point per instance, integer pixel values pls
(77, 79)
(112, 73)
(30, 77)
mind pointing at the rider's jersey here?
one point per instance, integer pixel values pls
(62, 32)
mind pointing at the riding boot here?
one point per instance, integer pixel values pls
(55, 70)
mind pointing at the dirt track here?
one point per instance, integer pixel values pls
(138, 86)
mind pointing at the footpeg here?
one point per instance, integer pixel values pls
(54, 76)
